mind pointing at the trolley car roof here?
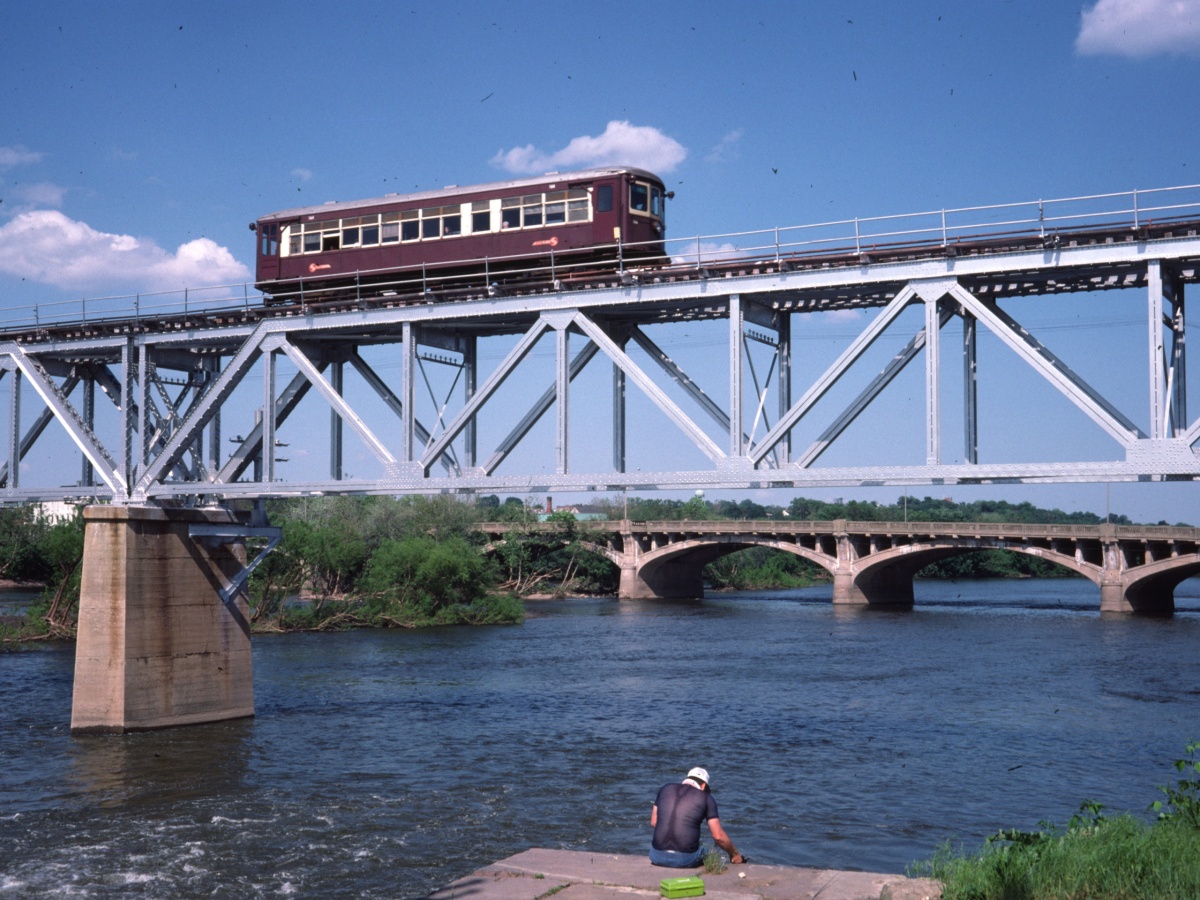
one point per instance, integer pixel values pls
(454, 191)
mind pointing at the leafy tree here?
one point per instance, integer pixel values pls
(555, 561)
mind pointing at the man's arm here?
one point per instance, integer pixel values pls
(722, 840)
(653, 815)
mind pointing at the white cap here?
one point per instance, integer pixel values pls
(699, 774)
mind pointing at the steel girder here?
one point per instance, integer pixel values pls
(172, 390)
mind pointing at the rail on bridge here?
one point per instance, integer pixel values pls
(1136, 568)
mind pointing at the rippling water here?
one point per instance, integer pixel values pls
(389, 763)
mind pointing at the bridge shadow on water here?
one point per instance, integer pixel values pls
(1012, 596)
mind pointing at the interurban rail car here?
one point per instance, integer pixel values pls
(568, 223)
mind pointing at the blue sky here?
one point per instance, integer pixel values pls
(137, 140)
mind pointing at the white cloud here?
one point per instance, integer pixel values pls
(17, 156)
(727, 150)
(39, 194)
(1139, 28)
(48, 247)
(622, 144)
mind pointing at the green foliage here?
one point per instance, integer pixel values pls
(1093, 856)
(1182, 805)
(21, 533)
(762, 568)
(378, 562)
(555, 562)
(994, 564)
(53, 552)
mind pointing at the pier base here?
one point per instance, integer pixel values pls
(157, 647)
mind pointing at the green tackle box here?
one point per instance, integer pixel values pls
(691, 886)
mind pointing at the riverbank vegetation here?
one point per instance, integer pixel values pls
(39, 552)
(1093, 856)
(412, 561)
(349, 562)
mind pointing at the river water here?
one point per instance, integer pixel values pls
(388, 763)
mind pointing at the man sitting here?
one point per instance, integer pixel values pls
(676, 816)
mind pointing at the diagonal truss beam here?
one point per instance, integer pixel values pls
(388, 396)
(251, 445)
(486, 390)
(652, 391)
(869, 394)
(45, 417)
(57, 402)
(335, 400)
(681, 378)
(202, 412)
(833, 374)
(1054, 370)
(539, 409)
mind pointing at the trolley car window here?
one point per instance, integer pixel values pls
(431, 223)
(270, 240)
(481, 216)
(391, 228)
(604, 198)
(656, 202)
(638, 199)
(531, 210)
(577, 205)
(556, 208)
(349, 232)
(410, 226)
(510, 212)
(370, 232)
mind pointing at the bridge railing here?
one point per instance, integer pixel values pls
(837, 526)
(857, 236)
(945, 227)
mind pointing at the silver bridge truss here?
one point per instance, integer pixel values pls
(192, 408)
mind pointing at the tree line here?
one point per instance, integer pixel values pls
(417, 561)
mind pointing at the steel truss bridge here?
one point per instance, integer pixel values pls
(181, 378)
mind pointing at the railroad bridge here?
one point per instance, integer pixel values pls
(144, 395)
(1136, 568)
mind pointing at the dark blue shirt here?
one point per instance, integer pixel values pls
(681, 810)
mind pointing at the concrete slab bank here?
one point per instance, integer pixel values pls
(582, 875)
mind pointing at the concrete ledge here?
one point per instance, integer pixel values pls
(582, 875)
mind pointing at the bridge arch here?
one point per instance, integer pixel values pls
(1150, 588)
(676, 570)
(886, 576)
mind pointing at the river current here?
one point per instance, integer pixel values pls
(388, 763)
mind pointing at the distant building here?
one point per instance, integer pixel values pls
(577, 512)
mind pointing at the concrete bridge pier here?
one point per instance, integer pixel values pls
(889, 587)
(1112, 597)
(157, 646)
(673, 579)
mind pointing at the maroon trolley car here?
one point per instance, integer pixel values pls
(556, 225)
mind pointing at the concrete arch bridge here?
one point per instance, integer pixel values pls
(1136, 568)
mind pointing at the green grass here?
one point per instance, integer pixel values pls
(1093, 858)
(1119, 858)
